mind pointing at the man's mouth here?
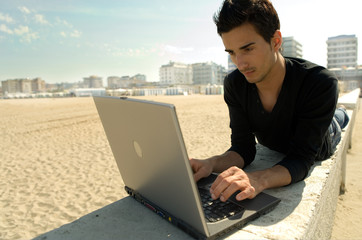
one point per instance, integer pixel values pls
(247, 72)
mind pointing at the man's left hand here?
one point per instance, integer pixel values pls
(232, 180)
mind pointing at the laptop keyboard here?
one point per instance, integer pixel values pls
(216, 210)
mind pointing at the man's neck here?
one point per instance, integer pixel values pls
(275, 78)
(270, 88)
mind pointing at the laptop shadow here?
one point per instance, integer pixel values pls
(123, 219)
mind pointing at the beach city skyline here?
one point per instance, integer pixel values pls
(66, 41)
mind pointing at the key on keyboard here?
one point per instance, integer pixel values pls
(215, 210)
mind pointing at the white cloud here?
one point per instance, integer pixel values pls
(26, 34)
(40, 19)
(177, 50)
(21, 30)
(6, 18)
(63, 22)
(63, 34)
(4, 28)
(29, 37)
(75, 34)
(24, 9)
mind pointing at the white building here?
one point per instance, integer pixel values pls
(208, 73)
(93, 82)
(291, 48)
(342, 51)
(349, 78)
(88, 92)
(176, 73)
(23, 85)
(114, 82)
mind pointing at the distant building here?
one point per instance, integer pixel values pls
(88, 92)
(24, 85)
(139, 78)
(231, 65)
(93, 82)
(208, 73)
(342, 51)
(38, 85)
(291, 48)
(115, 82)
(350, 78)
(175, 73)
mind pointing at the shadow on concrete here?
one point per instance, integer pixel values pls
(124, 219)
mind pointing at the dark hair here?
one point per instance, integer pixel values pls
(259, 13)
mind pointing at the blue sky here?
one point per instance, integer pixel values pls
(64, 41)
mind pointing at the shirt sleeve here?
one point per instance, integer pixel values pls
(314, 112)
(242, 139)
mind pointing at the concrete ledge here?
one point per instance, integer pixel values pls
(306, 210)
(350, 100)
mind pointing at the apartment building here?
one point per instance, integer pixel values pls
(24, 85)
(291, 48)
(93, 82)
(342, 51)
(208, 73)
(175, 73)
(115, 82)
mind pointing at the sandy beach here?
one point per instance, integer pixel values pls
(56, 164)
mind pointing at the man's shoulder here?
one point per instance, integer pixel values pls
(307, 70)
(300, 63)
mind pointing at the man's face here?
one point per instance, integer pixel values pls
(253, 56)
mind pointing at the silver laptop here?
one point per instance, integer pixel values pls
(150, 152)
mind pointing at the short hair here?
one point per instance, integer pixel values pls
(259, 13)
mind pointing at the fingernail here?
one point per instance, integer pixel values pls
(213, 196)
(222, 199)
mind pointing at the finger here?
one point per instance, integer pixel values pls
(248, 192)
(220, 188)
(198, 175)
(229, 191)
(221, 177)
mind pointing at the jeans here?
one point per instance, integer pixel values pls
(339, 121)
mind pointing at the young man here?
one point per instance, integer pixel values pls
(286, 103)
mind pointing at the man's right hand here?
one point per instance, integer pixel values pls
(201, 168)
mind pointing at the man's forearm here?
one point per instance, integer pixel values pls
(222, 162)
(276, 176)
(250, 184)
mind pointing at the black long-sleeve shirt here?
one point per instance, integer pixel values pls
(298, 123)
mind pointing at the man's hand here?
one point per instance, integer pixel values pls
(201, 168)
(249, 184)
(232, 180)
(218, 163)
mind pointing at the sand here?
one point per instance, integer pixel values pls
(348, 218)
(56, 164)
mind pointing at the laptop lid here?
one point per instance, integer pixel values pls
(148, 146)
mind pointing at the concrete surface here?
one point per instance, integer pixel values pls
(306, 210)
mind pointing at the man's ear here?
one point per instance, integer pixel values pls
(277, 40)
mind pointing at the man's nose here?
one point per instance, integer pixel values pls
(240, 62)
